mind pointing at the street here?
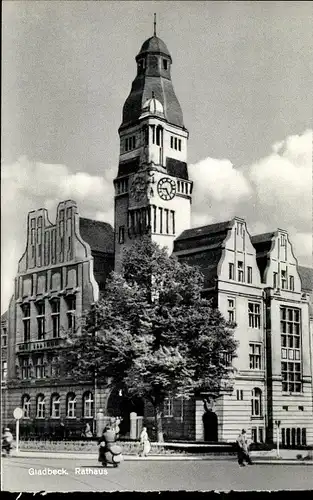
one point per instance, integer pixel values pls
(26, 475)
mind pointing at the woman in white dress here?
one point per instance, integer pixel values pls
(145, 445)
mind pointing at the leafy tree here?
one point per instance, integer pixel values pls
(152, 332)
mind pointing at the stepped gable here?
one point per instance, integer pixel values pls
(99, 235)
(210, 242)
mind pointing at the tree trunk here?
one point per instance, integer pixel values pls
(158, 423)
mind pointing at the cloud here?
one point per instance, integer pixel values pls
(275, 191)
(27, 185)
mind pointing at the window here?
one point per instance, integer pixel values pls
(231, 271)
(275, 284)
(146, 135)
(40, 320)
(179, 144)
(255, 356)
(290, 333)
(240, 271)
(291, 283)
(88, 405)
(167, 229)
(26, 321)
(291, 377)
(161, 219)
(71, 312)
(261, 434)
(173, 221)
(4, 337)
(71, 406)
(55, 315)
(301, 408)
(231, 310)
(4, 371)
(41, 406)
(249, 274)
(159, 136)
(284, 280)
(285, 408)
(256, 402)
(121, 235)
(40, 369)
(254, 315)
(175, 142)
(55, 406)
(239, 394)
(26, 405)
(283, 247)
(292, 437)
(26, 368)
(254, 434)
(172, 142)
(165, 64)
(168, 407)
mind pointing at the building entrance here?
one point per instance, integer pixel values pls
(121, 405)
(210, 426)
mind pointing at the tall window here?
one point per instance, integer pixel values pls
(55, 406)
(26, 321)
(55, 315)
(275, 281)
(71, 406)
(255, 356)
(240, 271)
(168, 407)
(40, 369)
(231, 310)
(40, 319)
(71, 313)
(290, 333)
(88, 405)
(4, 371)
(26, 405)
(121, 235)
(249, 274)
(4, 337)
(254, 315)
(231, 271)
(291, 283)
(283, 279)
(256, 402)
(291, 377)
(26, 368)
(173, 221)
(40, 406)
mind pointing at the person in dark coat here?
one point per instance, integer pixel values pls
(107, 439)
(243, 449)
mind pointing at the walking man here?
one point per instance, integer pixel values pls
(243, 449)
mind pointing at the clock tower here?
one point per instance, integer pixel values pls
(152, 188)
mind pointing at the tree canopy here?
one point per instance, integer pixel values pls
(152, 332)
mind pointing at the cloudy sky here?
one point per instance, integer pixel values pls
(242, 72)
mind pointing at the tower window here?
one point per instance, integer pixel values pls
(175, 143)
(179, 144)
(121, 235)
(231, 271)
(165, 65)
(172, 141)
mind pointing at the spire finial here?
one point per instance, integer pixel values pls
(154, 25)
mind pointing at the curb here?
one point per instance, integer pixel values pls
(151, 458)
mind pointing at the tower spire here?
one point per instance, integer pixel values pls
(154, 25)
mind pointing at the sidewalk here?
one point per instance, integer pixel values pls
(94, 457)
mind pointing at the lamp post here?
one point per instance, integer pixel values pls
(277, 423)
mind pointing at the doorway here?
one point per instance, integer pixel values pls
(210, 426)
(121, 405)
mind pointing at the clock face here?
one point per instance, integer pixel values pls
(166, 188)
(138, 189)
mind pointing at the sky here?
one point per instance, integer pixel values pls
(242, 71)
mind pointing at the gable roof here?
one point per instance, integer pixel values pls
(306, 276)
(210, 229)
(99, 235)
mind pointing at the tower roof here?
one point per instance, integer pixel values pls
(154, 44)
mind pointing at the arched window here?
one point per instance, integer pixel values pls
(71, 405)
(40, 406)
(55, 406)
(159, 136)
(256, 402)
(26, 405)
(88, 405)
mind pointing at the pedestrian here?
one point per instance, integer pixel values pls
(117, 426)
(7, 440)
(243, 449)
(87, 431)
(145, 445)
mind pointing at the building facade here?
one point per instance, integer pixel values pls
(255, 281)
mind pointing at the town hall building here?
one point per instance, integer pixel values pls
(254, 280)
